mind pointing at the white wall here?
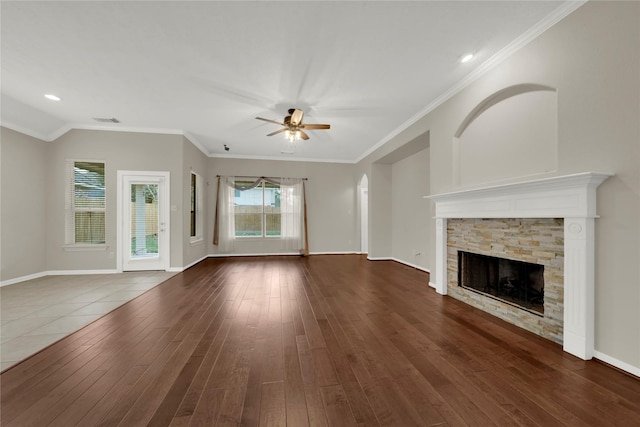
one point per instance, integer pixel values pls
(24, 204)
(331, 202)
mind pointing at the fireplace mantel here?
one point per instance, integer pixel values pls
(571, 197)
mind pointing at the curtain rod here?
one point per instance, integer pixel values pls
(256, 177)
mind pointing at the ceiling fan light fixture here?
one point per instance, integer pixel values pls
(292, 135)
(292, 126)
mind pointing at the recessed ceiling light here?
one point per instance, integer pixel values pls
(467, 58)
(52, 97)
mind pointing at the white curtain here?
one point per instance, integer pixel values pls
(293, 227)
(291, 214)
(226, 203)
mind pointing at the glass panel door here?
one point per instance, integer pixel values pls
(144, 206)
(145, 222)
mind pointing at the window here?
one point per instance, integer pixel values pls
(195, 221)
(257, 210)
(272, 208)
(85, 202)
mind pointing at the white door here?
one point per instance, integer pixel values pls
(143, 210)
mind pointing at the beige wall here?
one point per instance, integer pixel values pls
(331, 202)
(24, 204)
(194, 160)
(592, 59)
(119, 151)
(380, 212)
(522, 128)
(410, 227)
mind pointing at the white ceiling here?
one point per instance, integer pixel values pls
(206, 69)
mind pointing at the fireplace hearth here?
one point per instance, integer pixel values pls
(517, 283)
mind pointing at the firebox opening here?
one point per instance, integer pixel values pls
(516, 283)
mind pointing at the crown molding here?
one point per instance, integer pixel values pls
(25, 131)
(282, 159)
(66, 128)
(134, 129)
(532, 33)
(553, 18)
(192, 139)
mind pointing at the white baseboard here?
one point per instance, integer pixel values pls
(23, 278)
(633, 370)
(254, 254)
(180, 269)
(68, 273)
(170, 269)
(55, 273)
(282, 254)
(417, 267)
(79, 272)
(335, 253)
(433, 285)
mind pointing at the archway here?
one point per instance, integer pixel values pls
(363, 191)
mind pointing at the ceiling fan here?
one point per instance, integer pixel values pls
(293, 127)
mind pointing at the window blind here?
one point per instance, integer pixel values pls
(85, 202)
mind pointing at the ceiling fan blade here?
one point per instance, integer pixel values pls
(315, 126)
(296, 117)
(270, 121)
(303, 135)
(276, 132)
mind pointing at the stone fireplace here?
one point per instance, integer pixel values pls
(531, 245)
(548, 222)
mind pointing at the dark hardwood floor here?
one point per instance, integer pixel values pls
(324, 340)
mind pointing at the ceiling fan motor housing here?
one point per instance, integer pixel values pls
(292, 124)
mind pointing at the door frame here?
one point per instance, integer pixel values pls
(164, 208)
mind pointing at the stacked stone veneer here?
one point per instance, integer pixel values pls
(538, 241)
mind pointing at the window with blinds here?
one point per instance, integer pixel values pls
(85, 202)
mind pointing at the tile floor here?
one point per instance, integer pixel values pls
(39, 312)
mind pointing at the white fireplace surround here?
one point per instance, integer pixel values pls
(572, 197)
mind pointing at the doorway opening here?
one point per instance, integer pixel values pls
(364, 214)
